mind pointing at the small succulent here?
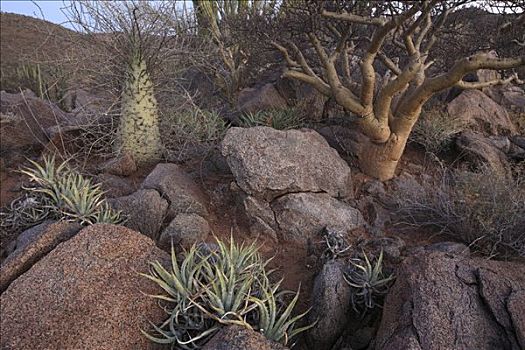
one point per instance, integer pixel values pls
(336, 243)
(230, 273)
(187, 326)
(275, 319)
(368, 282)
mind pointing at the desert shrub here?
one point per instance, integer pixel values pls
(484, 209)
(519, 119)
(208, 289)
(190, 128)
(368, 282)
(46, 81)
(57, 192)
(96, 137)
(280, 119)
(435, 131)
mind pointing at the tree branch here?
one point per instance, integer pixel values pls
(342, 95)
(479, 85)
(350, 17)
(389, 63)
(430, 86)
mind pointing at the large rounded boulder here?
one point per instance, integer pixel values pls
(267, 163)
(447, 301)
(85, 294)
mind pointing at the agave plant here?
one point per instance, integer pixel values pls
(68, 194)
(80, 200)
(230, 273)
(187, 326)
(107, 215)
(208, 289)
(46, 174)
(368, 282)
(274, 318)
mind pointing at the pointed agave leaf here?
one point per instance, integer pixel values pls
(161, 284)
(378, 265)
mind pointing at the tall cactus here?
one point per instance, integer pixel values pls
(133, 39)
(139, 133)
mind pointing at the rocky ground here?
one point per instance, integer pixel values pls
(65, 286)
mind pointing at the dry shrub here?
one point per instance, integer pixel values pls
(435, 130)
(96, 138)
(280, 119)
(482, 209)
(190, 131)
(519, 120)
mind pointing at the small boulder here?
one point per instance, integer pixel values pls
(144, 211)
(32, 245)
(85, 294)
(261, 217)
(303, 215)
(479, 150)
(479, 112)
(267, 163)
(510, 96)
(80, 100)
(185, 230)
(182, 194)
(330, 307)
(24, 120)
(240, 338)
(115, 186)
(266, 97)
(122, 165)
(452, 248)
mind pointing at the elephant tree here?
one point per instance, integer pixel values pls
(133, 37)
(384, 111)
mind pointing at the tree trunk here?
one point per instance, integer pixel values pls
(380, 160)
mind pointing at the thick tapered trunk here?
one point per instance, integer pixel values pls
(139, 133)
(380, 160)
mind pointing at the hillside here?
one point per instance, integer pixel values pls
(27, 40)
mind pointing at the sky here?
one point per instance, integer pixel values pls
(48, 10)
(44, 9)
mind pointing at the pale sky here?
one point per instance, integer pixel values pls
(49, 10)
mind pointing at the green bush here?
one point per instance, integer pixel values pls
(209, 289)
(59, 193)
(483, 209)
(280, 119)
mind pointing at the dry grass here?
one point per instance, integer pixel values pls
(519, 120)
(482, 209)
(280, 119)
(190, 131)
(435, 130)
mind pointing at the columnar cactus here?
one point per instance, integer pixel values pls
(139, 133)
